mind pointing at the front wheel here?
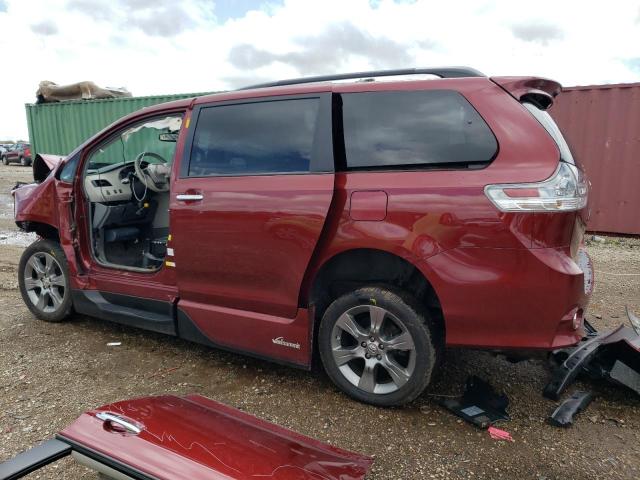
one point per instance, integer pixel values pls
(43, 276)
(5, 160)
(378, 346)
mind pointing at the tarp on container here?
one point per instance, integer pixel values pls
(52, 92)
(602, 125)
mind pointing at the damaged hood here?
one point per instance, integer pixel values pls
(43, 164)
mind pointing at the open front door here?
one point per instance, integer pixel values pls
(254, 190)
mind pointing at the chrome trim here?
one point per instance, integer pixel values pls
(184, 197)
(112, 418)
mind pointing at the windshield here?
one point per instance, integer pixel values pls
(552, 128)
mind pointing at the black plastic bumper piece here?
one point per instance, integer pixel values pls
(34, 459)
(563, 415)
(613, 356)
(479, 404)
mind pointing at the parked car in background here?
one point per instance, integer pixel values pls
(19, 153)
(370, 224)
(5, 147)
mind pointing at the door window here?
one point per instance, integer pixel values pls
(414, 128)
(255, 138)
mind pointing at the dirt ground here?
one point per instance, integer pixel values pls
(50, 373)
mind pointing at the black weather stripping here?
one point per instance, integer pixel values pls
(31, 460)
(443, 72)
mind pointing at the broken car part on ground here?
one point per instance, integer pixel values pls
(174, 438)
(563, 415)
(613, 355)
(479, 404)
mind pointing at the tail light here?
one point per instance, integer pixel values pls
(27, 151)
(565, 191)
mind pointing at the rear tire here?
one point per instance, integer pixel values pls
(43, 276)
(378, 346)
(5, 160)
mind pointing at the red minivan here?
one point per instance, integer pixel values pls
(371, 223)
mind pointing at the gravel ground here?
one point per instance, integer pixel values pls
(50, 373)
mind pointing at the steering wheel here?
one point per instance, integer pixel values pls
(153, 176)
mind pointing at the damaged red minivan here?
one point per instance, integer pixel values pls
(371, 223)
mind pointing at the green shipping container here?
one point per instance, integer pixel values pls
(58, 128)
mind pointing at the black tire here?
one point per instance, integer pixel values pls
(5, 160)
(57, 278)
(24, 162)
(403, 311)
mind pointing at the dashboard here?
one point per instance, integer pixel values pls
(104, 185)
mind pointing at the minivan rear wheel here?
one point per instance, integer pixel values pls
(43, 276)
(377, 346)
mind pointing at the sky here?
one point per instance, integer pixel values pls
(182, 46)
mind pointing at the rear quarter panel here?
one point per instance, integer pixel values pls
(444, 214)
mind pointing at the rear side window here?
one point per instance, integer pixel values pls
(254, 138)
(414, 128)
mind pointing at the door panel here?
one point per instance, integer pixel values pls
(247, 243)
(178, 438)
(254, 188)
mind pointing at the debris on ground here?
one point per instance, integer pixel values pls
(613, 356)
(164, 372)
(114, 344)
(479, 404)
(576, 403)
(498, 434)
(633, 320)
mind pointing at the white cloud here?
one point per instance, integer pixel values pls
(161, 46)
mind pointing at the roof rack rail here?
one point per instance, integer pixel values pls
(443, 72)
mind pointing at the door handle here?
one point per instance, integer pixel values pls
(189, 197)
(110, 418)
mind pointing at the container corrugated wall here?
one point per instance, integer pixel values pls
(602, 125)
(58, 128)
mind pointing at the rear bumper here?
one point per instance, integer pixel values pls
(510, 298)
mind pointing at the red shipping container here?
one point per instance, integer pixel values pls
(602, 125)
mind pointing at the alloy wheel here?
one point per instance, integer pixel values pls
(44, 282)
(373, 349)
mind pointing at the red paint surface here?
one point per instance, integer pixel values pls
(247, 243)
(280, 338)
(199, 439)
(602, 125)
(368, 206)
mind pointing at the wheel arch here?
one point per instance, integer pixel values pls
(353, 268)
(44, 230)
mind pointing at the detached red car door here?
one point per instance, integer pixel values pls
(188, 438)
(249, 204)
